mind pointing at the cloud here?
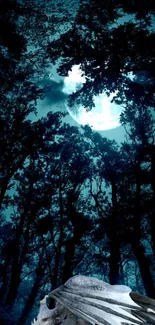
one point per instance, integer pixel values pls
(54, 94)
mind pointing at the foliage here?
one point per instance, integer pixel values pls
(109, 51)
(72, 201)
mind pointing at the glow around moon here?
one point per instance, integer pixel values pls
(104, 116)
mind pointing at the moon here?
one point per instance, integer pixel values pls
(104, 116)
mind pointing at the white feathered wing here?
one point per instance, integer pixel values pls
(99, 303)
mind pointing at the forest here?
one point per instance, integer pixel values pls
(71, 201)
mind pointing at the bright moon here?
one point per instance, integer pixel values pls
(104, 116)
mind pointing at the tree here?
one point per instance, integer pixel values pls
(108, 171)
(18, 135)
(70, 156)
(140, 132)
(48, 206)
(26, 30)
(107, 51)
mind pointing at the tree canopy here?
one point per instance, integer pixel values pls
(71, 200)
(109, 49)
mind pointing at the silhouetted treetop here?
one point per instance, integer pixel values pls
(107, 51)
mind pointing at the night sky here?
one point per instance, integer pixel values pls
(74, 200)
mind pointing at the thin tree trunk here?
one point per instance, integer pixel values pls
(16, 266)
(4, 186)
(59, 247)
(14, 284)
(153, 172)
(138, 249)
(69, 254)
(18, 260)
(153, 198)
(10, 173)
(144, 266)
(4, 277)
(114, 240)
(31, 299)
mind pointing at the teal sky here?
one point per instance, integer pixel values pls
(55, 100)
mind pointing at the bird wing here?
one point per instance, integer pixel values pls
(97, 302)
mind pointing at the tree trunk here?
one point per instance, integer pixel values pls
(153, 198)
(114, 240)
(138, 249)
(69, 254)
(4, 186)
(31, 299)
(153, 171)
(4, 278)
(17, 263)
(14, 284)
(59, 246)
(144, 266)
(16, 267)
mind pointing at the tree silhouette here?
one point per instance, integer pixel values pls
(140, 132)
(108, 168)
(26, 29)
(125, 216)
(107, 52)
(48, 214)
(72, 201)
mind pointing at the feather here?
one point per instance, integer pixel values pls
(86, 300)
